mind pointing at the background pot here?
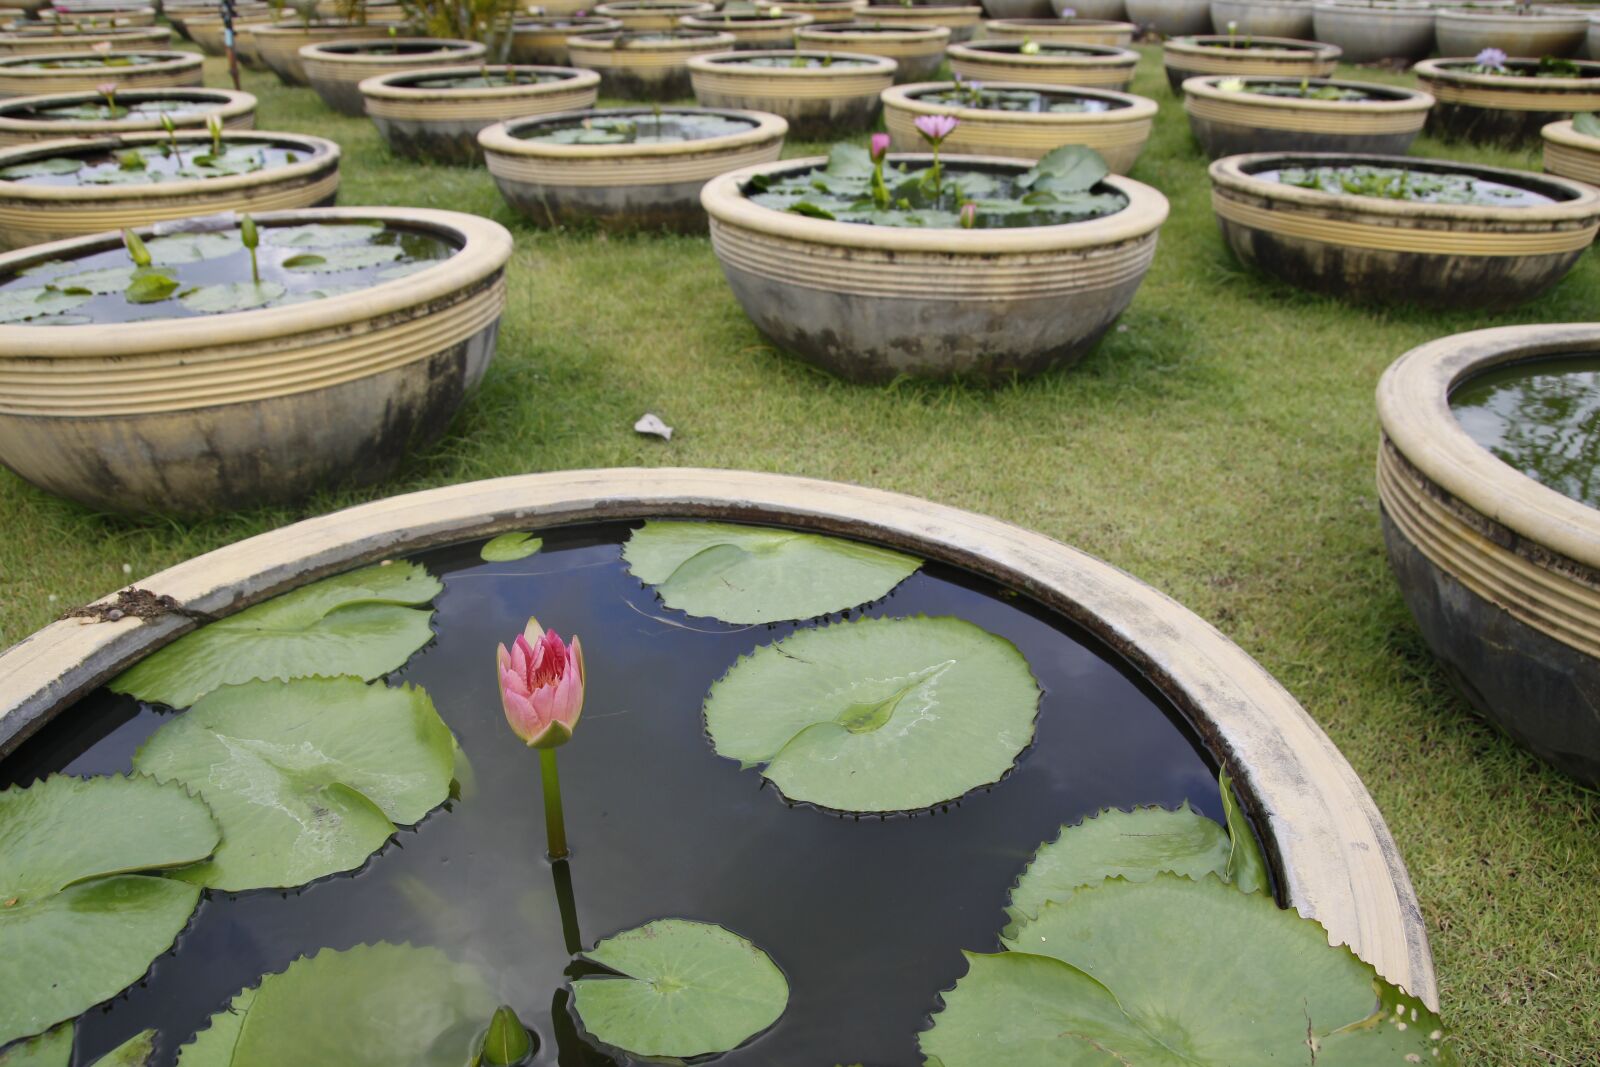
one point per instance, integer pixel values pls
(919, 51)
(1233, 123)
(171, 70)
(1170, 18)
(544, 41)
(1368, 32)
(1063, 31)
(1188, 57)
(237, 111)
(819, 10)
(1001, 61)
(962, 20)
(1571, 154)
(1269, 18)
(816, 102)
(1115, 10)
(1463, 32)
(279, 45)
(645, 70)
(1499, 109)
(255, 407)
(758, 34)
(336, 69)
(45, 39)
(639, 15)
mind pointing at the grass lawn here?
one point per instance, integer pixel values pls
(1219, 445)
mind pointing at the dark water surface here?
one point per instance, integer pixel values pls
(867, 917)
(1541, 417)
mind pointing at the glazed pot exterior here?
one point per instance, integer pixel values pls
(1400, 251)
(1499, 571)
(820, 10)
(1366, 33)
(279, 45)
(1017, 9)
(1113, 10)
(1571, 154)
(875, 303)
(207, 32)
(336, 70)
(638, 16)
(751, 35)
(1171, 18)
(655, 70)
(1508, 111)
(1265, 18)
(1106, 68)
(962, 20)
(539, 43)
(1188, 57)
(1062, 31)
(816, 102)
(172, 70)
(1236, 123)
(1466, 33)
(236, 110)
(919, 51)
(43, 40)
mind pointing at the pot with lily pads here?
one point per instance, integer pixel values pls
(1062, 31)
(238, 361)
(876, 267)
(1398, 229)
(1492, 100)
(625, 168)
(1367, 31)
(752, 30)
(1516, 31)
(1171, 18)
(543, 41)
(1487, 476)
(962, 20)
(1267, 18)
(54, 190)
(436, 115)
(1572, 148)
(65, 72)
(638, 15)
(89, 114)
(34, 40)
(919, 51)
(99, 15)
(819, 94)
(1240, 55)
(908, 659)
(819, 10)
(1022, 121)
(648, 64)
(279, 44)
(1088, 66)
(1233, 116)
(336, 69)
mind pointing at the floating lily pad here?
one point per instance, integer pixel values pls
(182, 248)
(320, 235)
(107, 280)
(53, 1048)
(21, 305)
(344, 257)
(78, 922)
(1247, 867)
(1587, 123)
(878, 714)
(150, 287)
(231, 296)
(687, 989)
(748, 574)
(1171, 973)
(358, 624)
(510, 546)
(213, 1045)
(405, 270)
(307, 777)
(41, 168)
(137, 1051)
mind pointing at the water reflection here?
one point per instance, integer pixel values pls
(1541, 417)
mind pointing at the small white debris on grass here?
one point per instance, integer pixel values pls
(652, 424)
(127, 568)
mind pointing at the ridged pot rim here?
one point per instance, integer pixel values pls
(1205, 85)
(895, 12)
(1384, 10)
(814, 5)
(485, 248)
(725, 202)
(1307, 4)
(654, 7)
(1234, 173)
(263, 15)
(386, 87)
(576, 23)
(996, 51)
(1325, 837)
(731, 63)
(722, 24)
(230, 103)
(699, 42)
(1414, 412)
(1292, 48)
(173, 60)
(1514, 16)
(1109, 25)
(1435, 68)
(499, 139)
(1562, 133)
(1130, 108)
(109, 33)
(323, 51)
(319, 27)
(863, 33)
(323, 153)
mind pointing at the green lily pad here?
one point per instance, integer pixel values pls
(53, 1048)
(99, 282)
(510, 546)
(748, 574)
(213, 1045)
(687, 989)
(405, 270)
(1587, 123)
(41, 168)
(319, 235)
(150, 287)
(1247, 867)
(21, 305)
(359, 623)
(344, 257)
(137, 1051)
(78, 920)
(182, 248)
(307, 778)
(231, 296)
(878, 714)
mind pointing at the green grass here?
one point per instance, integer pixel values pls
(1219, 445)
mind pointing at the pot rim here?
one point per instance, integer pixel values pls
(860, 33)
(173, 60)
(1194, 44)
(716, 21)
(655, 7)
(702, 40)
(1435, 68)
(1204, 85)
(926, 11)
(585, 22)
(149, 33)
(1108, 25)
(498, 138)
(383, 87)
(1328, 843)
(485, 248)
(1230, 173)
(1515, 15)
(1562, 133)
(286, 29)
(1099, 54)
(725, 202)
(229, 102)
(1414, 411)
(1376, 7)
(322, 51)
(726, 63)
(1133, 108)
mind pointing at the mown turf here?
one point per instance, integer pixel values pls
(1219, 445)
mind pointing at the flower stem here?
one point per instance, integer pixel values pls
(555, 827)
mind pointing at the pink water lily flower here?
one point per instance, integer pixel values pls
(1492, 59)
(880, 145)
(935, 128)
(106, 88)
(541, 686)
(101, 47)
(1068, 13)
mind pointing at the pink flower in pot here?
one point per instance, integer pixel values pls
(541, 691)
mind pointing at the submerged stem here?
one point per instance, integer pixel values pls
(555, 827)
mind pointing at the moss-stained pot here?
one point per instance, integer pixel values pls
(24, 119)
(164, 70)
(752, 32)
(1062, 31)
(1501, 573)
(816, 101)
(33, 41)
(1571, 154)
(336, 69)
(1228, 122)
(651, 66)
(1171, 18)
(279, 44)
(1118, 133)
(962, 20)
(638, 15)
(251, 408)
(1101, 67)
(1323, 836)
(919, 50)
(543, 41)
(874, 303)
(35, 213)
(1189, 57)
(1265, 18)
(1404, 251)
(1516, 32)
(1503, 109)
(623, 186)
(1369, 30)
(441, 125)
